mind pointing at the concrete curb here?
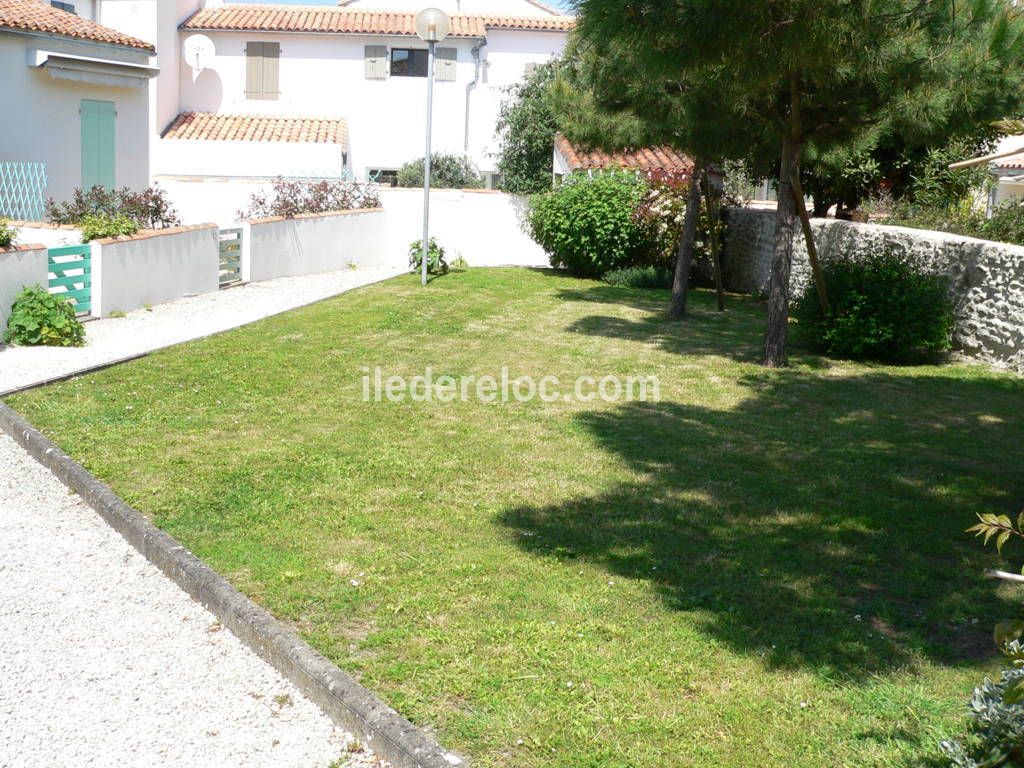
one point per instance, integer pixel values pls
(347, 703)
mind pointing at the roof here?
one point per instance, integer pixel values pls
(645, 159)
(206, 126)
(326, 19)
(1011, 163)
(36, 16)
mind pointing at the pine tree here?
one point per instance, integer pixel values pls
(720, 79)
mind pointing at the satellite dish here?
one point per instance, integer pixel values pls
(198, 51)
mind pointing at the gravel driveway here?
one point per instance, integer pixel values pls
(115, 338)
(104, 661)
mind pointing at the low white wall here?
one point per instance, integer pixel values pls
(50, 235)
(247, 159)
(311, 243)
(485, 228)
(153, 267)
(20, 266)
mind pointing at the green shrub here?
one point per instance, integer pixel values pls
(437, 264)
(446, 172)
(882, 308)
(8, 234)
(588, 224)
(1006, 224)
(100, 225)
(639, 277)
(41, 318)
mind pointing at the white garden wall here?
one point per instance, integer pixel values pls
(154, 267)
(20, 266)
(485, 228)
(312, 243)
(50, 235)
(986, 278)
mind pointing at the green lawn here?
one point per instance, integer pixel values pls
(765, 568)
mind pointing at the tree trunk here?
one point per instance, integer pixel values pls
(684, 255)
(812, 250)
(711, 205)
(782, 258)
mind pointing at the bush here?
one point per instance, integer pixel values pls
(881, 308)
(1006, 224)
(149, 209)
(100, 225)
(437, 264)
(588, 224)
(8, 234)
(41, 318)
(639, 277)
(527, 125)
(446, 172)
(291, 198)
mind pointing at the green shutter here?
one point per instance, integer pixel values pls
(376, 58)
(98, 143)
(271, 61)
(253, 70)
(444, 64)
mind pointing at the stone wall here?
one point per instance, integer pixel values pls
(986, 278)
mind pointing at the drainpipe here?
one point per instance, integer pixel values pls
(477, 67)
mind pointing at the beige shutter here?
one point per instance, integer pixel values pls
(271, 69)
(376, 57)
(444, 64)
(253, 70)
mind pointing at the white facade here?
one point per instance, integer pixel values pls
(44, 123)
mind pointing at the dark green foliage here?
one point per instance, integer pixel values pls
(96, 226)
(41, 318)
(437, 264)
(8, 234)
(587, 225)
(446, 172)
(639, 277)
(527, 126)
(149, 209)
(1006, 224)
(289, 198)
(883, 308)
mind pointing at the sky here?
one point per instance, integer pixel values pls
(562, 5)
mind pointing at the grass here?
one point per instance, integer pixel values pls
(765, 568)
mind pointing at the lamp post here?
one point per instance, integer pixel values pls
(432, 25)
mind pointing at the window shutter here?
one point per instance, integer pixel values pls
(376, 57)
(253, 70)
(271, 69)
(444, 64)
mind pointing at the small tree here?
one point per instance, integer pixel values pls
(527, 125)
(446, 172)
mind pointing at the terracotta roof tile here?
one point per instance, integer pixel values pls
(1011, 163)
(36, 16)
(206, 126)
(294, 18)
(645, 159)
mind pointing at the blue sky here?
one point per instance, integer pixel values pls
(561, 4)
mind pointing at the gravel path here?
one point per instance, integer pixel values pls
(104, 661)
(113, 339)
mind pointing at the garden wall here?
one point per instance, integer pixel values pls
(315, 242)
(20, 266)
(986, 278)
(484, 227)
(154, 266)
(50, 235)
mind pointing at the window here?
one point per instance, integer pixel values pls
(408, 62)
(69, 7)
(261, 70)
(386, 177)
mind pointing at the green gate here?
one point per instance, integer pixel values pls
(71, 275)
(230, 256)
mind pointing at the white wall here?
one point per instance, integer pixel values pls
(324, 76)
(50, 236)
(484, 228)
(249, 159)
(45, 124)
(155, 267)
(517, 8)
(20, 266)
(313, 243)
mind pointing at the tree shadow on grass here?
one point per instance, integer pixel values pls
(820, 523)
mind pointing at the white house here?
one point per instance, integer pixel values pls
(360, 63)
(76, 96)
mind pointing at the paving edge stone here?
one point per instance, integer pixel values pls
(348, 704)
